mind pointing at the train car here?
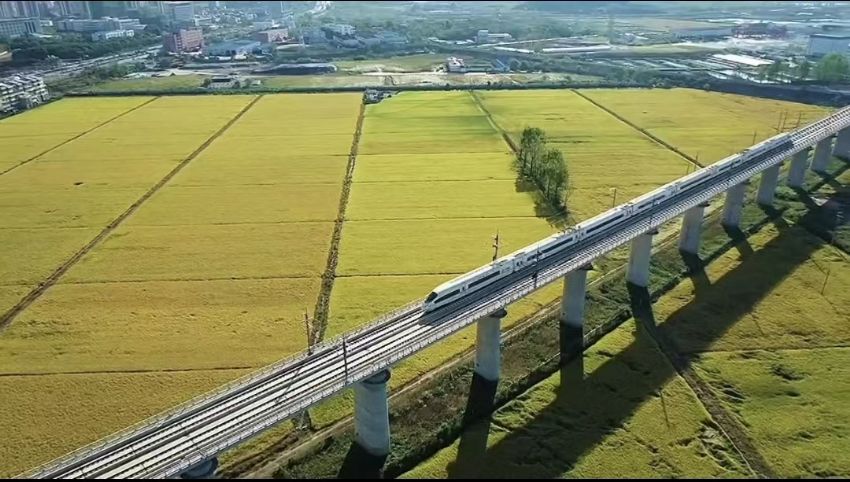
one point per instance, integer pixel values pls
(696, 178)
(649, 200)
(555, 244)
(602, 222)
(455, 289)
(767, 148)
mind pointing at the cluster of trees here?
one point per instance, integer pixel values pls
(29, 49)
(92, 77)
(831, 68)
(545, 168)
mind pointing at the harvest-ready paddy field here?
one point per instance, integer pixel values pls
(159, 246)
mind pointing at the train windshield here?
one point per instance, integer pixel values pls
(431, 297)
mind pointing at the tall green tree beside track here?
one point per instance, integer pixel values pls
(545, 168)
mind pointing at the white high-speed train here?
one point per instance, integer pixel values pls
(451, 291)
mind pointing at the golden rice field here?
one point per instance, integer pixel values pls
(777, 357)
(225, 256)
(211, 276)
(630, 414)
(707, 125)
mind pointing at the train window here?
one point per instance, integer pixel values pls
(557, 245)
(606, 223)
(431, 297)
(453, 294)
(481, 280)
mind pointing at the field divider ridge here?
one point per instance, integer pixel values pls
(36, 292)
(496, 126)
(643, 131)
(322, 308)
(81, 134)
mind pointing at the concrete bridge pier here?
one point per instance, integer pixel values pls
(689, 239)
(639, 256)
(767, 185)
(203, 470)
(841, 148)
(823, 152)
(797, 172)
(734, 205)
(372, 414)
(572, 309)
(488, 344)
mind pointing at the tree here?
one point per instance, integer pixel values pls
(530, 149)
(544, 168)
(832, 68)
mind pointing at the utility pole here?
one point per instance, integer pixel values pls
(309, 332)
(799, 118)
(754, 138)
(496, 245)
(614, 201)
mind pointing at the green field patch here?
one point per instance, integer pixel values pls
(309, 81)
(158, 325)
(264, 168)
(630, 402)
(30, 255)
(774, 283)
(433, 167)
(238, 204)
(145, 84)
(431, 246)
(77, 206)
(439, 200)
(795, 405)
(140, 253)
(54, 415)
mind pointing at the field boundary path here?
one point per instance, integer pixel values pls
(36, 292)
(643, 131)
(496, 126)
(322, 309)
(81, 134)
(725, 421)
